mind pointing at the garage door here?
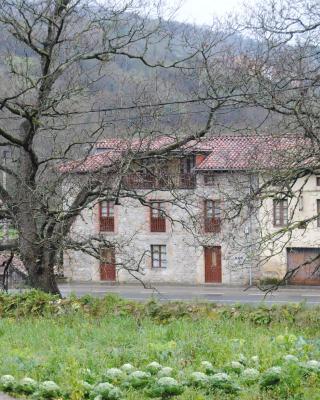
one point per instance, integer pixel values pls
(308, 274)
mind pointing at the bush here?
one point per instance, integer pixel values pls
(106, 391)
(207, 367)
(154, 367)
(223, 382)
(271, 377)
(166, 387)
(48, 390)
(113, 375)
(165, 371)
(27, 385)
(250, 376)
(138, 379)
(7, 383)
(199, 379)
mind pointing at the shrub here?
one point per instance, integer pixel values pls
(207, 367)
(127, 368)
(7, 383)
(166, 387)
(235, 366)
(250, 375)
(223, 382)
(311, 366)
(48, 390)
(113, 375)
(289, 358)
(106, 391)
(27, 385)
(154, 367)
(86, 388)
(165, 371)
(138, 379)
(199, 379)
(271, 377)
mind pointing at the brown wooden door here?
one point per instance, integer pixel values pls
(108, 264)
(308, 274)
(212, 263)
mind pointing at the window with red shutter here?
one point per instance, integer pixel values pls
(157, 217)
(106, 214)
(212, 216)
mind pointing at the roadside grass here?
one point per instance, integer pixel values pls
(81, 344)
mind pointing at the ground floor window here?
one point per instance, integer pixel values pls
(158, 256)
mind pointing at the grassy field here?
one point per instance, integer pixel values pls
(86, 339)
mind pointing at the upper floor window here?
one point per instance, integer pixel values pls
(318, 213)
(159, 256)
(318, 180)
(208, 179)
(280, 212)
(187, 176)
(212, 216)
(157, 217)
(187, 164)
(106, 214)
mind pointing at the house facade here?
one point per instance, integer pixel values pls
(192, 219)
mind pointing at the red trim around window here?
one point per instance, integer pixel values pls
(106, 216)
(157, 218)
(212, 216)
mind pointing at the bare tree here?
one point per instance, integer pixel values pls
(58, 55)
(279, 69)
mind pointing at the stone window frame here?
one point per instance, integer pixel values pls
(162, 261)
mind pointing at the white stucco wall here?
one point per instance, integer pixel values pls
(276, 266)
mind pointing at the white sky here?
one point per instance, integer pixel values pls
(202, 11)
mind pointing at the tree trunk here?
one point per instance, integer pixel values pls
(41, 268)
(37, 249)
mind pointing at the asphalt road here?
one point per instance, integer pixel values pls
(215, 294)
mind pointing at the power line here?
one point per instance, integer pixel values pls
(103, 122)
(174, 102)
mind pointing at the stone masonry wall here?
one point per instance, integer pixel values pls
(185, 254)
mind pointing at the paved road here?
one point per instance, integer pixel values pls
(216, 294)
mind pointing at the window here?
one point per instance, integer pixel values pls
(158, 256)
(208, 179)
(318, 212)
(318, 180)
(187, 176)
(280, 212)
(157, 217)
(107, 264)
(106, 208)
(212, 216)
(188, 164)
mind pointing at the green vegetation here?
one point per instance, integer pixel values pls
(115, 349)
(12, 233)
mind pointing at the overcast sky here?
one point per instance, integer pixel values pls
(201, 11)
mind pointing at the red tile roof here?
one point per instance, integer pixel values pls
(251, 152)
(225, 152)
(92, 163)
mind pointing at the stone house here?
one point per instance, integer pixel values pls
(197, 222)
